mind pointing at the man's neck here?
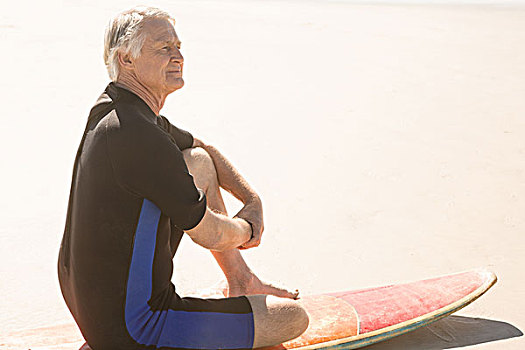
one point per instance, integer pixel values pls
(154, 100)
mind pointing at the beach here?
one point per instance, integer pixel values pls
(387, 142)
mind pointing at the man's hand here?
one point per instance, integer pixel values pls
(230, 180)
(253, 213)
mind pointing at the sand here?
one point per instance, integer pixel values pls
(387, 143)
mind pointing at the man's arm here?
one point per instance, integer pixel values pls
(232, 181)
(227, 234)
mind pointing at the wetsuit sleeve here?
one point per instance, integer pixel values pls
(182, 138)
(148, 163)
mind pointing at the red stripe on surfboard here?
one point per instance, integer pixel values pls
(330, 318)
(386, 306)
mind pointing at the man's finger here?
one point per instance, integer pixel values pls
(255, 240)
(252, 243)
(249, 246)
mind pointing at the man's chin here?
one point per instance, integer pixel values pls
(176, 85)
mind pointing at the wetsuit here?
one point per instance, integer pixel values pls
(131, 198)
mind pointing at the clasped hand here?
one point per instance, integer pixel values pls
(253, 213)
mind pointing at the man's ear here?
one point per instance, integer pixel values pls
(125, 60)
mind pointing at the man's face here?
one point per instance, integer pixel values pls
(159, 67)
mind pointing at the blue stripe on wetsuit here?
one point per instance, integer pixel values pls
(172, 328)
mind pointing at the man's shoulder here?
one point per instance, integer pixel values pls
(102, 107)
(124, 119)
(116, 113)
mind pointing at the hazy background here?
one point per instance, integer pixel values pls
(387, 142)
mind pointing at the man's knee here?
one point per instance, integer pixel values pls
(201, 166)
(276, 320)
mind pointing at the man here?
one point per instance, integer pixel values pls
(132, 198)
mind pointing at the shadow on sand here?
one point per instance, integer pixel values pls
(451, 332)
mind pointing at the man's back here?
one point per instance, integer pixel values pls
(122, 141)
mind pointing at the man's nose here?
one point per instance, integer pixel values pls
(177, 57)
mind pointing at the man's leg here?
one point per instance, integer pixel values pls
(276, 319)
(241, 280)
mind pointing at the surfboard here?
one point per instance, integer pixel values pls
(341, 320)
(354, 319)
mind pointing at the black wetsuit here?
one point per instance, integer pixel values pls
(131, 198)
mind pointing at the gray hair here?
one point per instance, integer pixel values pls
(123, 34)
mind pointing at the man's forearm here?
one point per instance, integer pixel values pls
(219, 232)
(229, 178)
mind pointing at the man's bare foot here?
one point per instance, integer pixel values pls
(252, 285)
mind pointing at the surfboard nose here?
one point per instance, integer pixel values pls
(487, 275)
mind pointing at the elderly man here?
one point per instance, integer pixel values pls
(132, 198)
